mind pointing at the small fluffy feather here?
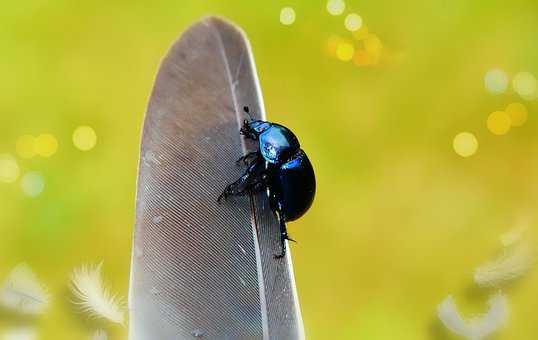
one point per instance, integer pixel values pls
(21, 333)
(22, 292)
(476, 328)
(512, 264)
(99, 335)
(93, 297)
(514, 235)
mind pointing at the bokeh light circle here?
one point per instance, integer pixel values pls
(84, 138)
(353, 22)
(32, 184)
(336, 7)
(499, 123)
(9, 169)
(496, 81)
(45, 145)
(287, 16)
(345, 51)
(525, 84)
(465, 144)
(518, 113)
(25, 146)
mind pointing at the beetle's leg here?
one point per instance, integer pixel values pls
(256, 186)
(239, 189)
(253, 174)
(244, 159)
(253, 187)
(283, 237)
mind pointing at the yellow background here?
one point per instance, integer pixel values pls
(400, 220)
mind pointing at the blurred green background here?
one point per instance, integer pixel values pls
(400, 221)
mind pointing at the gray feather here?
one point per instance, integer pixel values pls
(202, 269)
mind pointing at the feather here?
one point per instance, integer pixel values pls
(99, 335)
(20, 333)
(22, 292)
(512, 264)
(92, 295)
(199, 267)
(476, 328)
(514, 235)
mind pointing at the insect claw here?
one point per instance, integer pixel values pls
(241, 160)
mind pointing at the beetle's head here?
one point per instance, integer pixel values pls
(252, 128)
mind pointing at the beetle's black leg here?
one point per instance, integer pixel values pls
(253, 174)
(277, 208)
(254, 187)
(283, 237)
(244, 159)
(237, 190)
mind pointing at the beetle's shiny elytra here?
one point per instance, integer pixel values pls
(280, 165)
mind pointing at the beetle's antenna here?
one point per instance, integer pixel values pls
(247, 111)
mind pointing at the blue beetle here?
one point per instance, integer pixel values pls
(280, 165)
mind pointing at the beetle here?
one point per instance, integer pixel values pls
(279, 165)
